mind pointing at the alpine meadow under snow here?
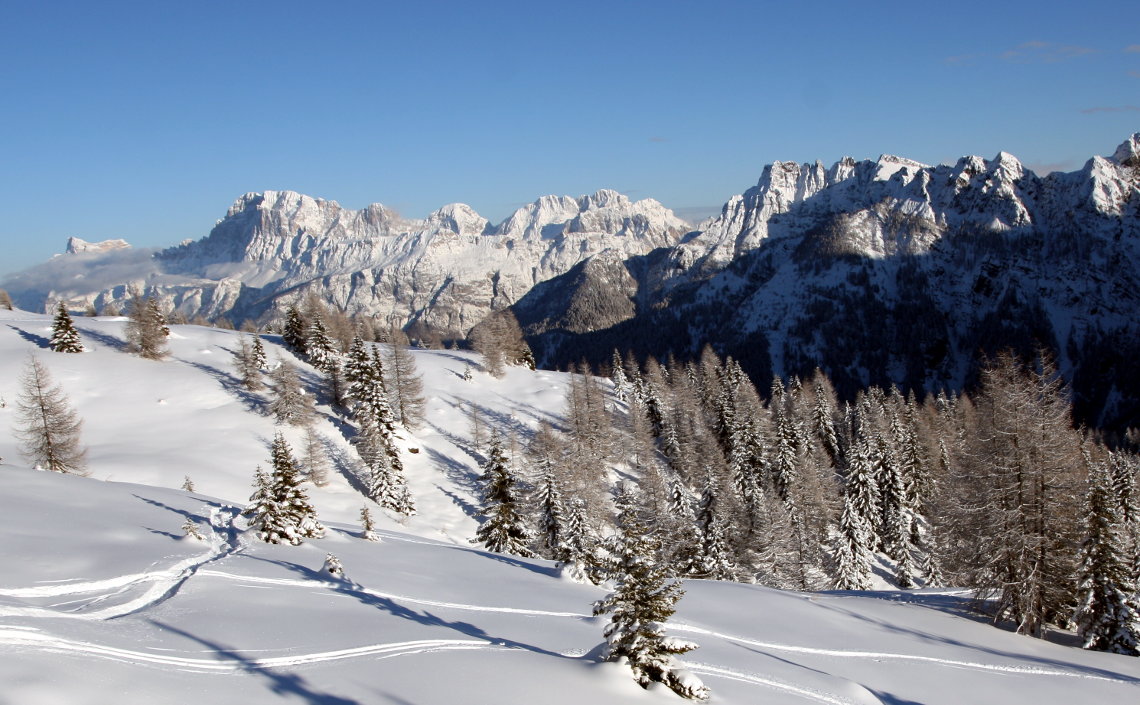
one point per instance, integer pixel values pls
(107, 597)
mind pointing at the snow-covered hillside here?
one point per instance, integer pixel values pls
(103, 599)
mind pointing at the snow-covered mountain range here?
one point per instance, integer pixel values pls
(879, 271)
(446, 271)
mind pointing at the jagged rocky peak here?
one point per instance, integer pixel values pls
(1128, 153)
(77, 246)
(458, 218)
(605, 211)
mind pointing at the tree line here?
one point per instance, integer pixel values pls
(997, 491)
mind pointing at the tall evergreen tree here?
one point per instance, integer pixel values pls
(321, 351)
(49, 427)
(642, 602)
(504, 528)
(1107, 614)
(294, 333)
(853, 549)
(64, 336)
(716, 561)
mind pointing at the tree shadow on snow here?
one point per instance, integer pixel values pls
(278, 682)
(232, 385)
(926, 636)
(37, 340)
(108, 340)
(358, 592)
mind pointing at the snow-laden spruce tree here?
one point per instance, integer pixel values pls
(279, 508)
(375, 438)
(1107, 615)
(853, 549)
(504, 528)
(64, 336)
(321, 349)
(48, 428)
(294, 332)
(642, 601)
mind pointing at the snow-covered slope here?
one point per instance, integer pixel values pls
(103, 600)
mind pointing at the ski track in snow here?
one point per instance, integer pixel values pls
(294, 582)
(164, 582)
(885, 656)
(30, 637)
(704, 669)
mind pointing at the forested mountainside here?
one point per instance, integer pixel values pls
(878, 272)
(883, 272)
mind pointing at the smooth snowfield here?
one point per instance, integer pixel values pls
(104, 600)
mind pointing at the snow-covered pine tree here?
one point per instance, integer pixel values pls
(546, 498)
(258, 352)
(294, 333)
(716, 563)
(642, 602)
(504, 527)
(290, 404)
(579, 557)
(620, 380)
(280, 509)
(333, 567)
(862, 488)
(1107, 616)
(49, 428)
(190, 529)
(684, 547)
(319, 346)
(367, 526)
(853, 549)
(64, 336)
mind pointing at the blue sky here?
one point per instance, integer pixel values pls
(146, 120)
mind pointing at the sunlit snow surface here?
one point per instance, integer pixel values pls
(103, 600)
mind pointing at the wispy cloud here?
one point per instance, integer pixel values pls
(1043, 168)
(1112, 109)
(1037, 52)
(962, 59)
(1134, 74)
(1132, 49)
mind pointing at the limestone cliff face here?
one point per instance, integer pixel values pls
(448, 270)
